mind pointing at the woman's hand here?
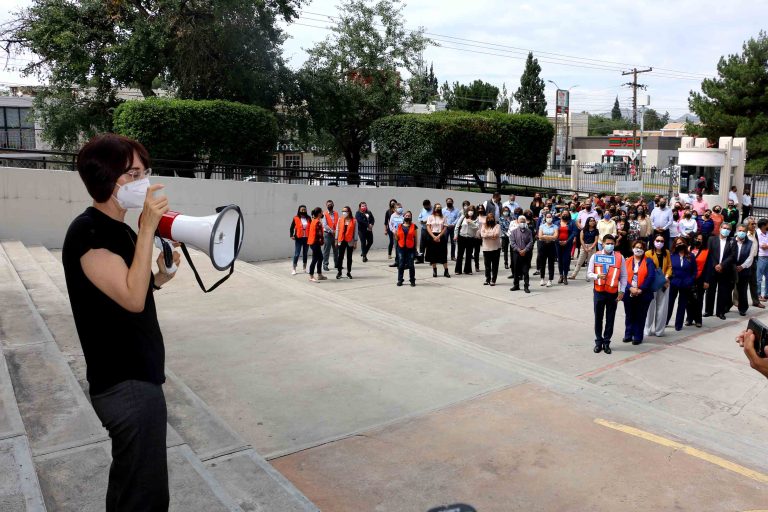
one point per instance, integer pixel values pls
(154, 208)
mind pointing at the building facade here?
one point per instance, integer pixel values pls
(659, 152)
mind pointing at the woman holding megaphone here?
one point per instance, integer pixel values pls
(108, 269)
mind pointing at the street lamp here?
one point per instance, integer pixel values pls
(567, 123)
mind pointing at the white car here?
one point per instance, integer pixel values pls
(591, 169)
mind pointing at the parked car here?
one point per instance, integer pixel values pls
(592, 169)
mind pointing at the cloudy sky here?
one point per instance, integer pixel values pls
(583, 43)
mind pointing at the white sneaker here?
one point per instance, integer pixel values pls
(543, 282)
(549, 284)
(312, 279)
(293, 272)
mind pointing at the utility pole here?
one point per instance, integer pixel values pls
(634, 85)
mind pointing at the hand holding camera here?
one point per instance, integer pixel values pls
(754, 340)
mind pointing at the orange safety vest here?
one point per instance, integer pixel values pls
(315, 232)
(345, 235)
(298, 227)
(701, 260)
(642, 271)
(406, 239)
(612, 277)
(331, 221)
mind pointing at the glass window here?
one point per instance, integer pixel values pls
(689, 177)
(293, 160)
(2, 117)
(26, 118)
(12, 117)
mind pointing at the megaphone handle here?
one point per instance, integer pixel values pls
(170, 266)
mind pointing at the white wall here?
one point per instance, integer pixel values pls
(37, 206)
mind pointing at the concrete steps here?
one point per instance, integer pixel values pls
(210, 466)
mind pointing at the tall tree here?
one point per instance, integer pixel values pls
(530, 94)
(616, 111)
(422, 86)
(353, 77)
(652, 120)
(474, 97)
(504, 101)
(735, 103)
(89, 49)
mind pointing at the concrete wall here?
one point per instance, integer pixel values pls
(37, 206)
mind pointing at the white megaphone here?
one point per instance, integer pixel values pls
(220, 236)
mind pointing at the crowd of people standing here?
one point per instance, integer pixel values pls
(663, 257)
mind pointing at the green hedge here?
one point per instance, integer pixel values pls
(213, 130)
(450, 143)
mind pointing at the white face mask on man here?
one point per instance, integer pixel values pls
(132, 194)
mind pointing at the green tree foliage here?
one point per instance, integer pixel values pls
(451, 143)
(736, 102)
(652, 120)
(208, 130)
(353, 77)
(89, 49)
(423, 85)
(530, 94)
(504, 101)
(474, 97)
(602, 126)
(616, 110)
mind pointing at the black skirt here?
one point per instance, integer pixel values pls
(437, 252)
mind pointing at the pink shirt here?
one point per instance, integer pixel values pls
(435, 223)
(700, 206)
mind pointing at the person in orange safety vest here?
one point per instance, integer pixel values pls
(607, 270)
(406, 249)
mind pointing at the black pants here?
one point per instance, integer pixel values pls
(450, 232)
(605, 308)
(742, 285)
(491, 262)
(465, 247)
(366, 241)
(135, 415)
(720, 285)
(684, 295)
(546, 258)
(317, 259)
(476, 252)
(391, 243)
(423, 237)
(696, 302)
(505, 250)
(344, 248)
(521, 266)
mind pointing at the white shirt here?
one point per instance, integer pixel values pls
(674, 229)
(762, 239)
(723, 243)
(748, 262)
(661, 219)
(732, 196)
(686, 227)
(746, 200)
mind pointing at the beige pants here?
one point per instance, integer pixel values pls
(583, 256)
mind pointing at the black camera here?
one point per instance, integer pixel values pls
(761, 335)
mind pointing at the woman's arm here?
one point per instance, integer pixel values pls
(108, 271)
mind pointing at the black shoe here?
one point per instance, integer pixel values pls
(413, 283)
(565, 280)
(457, 273)
(536, 273)
(506, 267)
(514, 289)
(626, 340)
(434, 272)
(634, 342)
(598, 349)
(349, 275)
(698, 324)
(365, 259)
(688, 323)
(477, 269)
(560, 281)
(399, 283)
(526, 290)
(705, 315)
(338, 276)
(393, 265)
(326, 269)
(446, 274)
(721, 317)
(511, 277)
(486, 283)
(607, 349)
(743, 313)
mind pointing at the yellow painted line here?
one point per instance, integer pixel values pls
(693, 452)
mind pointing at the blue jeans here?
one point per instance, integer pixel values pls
(564, 257)
(762, 275)
(300, 244)
(405, 261)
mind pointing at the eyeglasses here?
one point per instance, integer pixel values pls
(139, 175)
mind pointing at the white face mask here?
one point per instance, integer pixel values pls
(133, 194)
(638, 251)
(345, 214)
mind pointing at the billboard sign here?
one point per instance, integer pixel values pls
(562, 99)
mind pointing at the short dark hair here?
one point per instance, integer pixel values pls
(104, 159)
(609, 237)
(762, 222)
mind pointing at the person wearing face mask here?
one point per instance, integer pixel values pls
(330, 219)
(395, 219)
(546, 249)
(405, 235)
(315, 242)
(743, 262)
(720, 273)
(387, 231)
(661, 219)
(490, 234)
(346, 240)
(606, 226)
(751, 225)
(644, 222)
(674, 227)
(683, 279)
(688, 225)
(426, 211)
(641, 272)
(504, 223)
(437, 245)
(365, 221)
(566, 233)
(481, 216)
(299, 232)
(656, 318)
(521, 244)
(536, 205)
(696, 300)
(762, 259)
(589, 239)
(717, 219)
(111, 286)
(731, 216)
(706, 225)
(610, 280)
(467, 228)
(451, 215)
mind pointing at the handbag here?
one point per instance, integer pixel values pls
(659, 280)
